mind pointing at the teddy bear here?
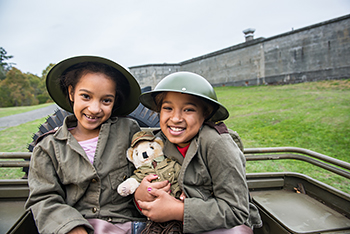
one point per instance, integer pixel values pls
(146, 153)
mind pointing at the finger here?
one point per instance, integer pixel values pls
(155, 192)
(167, 188)
(141, 192)
(150, 177)
(144, 205)
(161, 185)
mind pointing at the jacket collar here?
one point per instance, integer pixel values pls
(173, 153)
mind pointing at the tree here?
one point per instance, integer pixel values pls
(16, 90)
(4, 66)
(21, 89)
(44, 97)
(46, 71)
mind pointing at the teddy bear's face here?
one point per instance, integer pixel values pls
(145, 152)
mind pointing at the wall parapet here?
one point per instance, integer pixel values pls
(316, 52)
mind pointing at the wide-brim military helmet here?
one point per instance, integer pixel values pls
(132, 93)
(188, 83)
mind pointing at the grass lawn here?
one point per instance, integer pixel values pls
(313, 115)
(16, 139)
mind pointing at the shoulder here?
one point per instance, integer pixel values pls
(123, 120)
(220, 132)
(219, 127)
(212, 141)
(69, 120)
(123, 123)
(124, 126)
(41, 137)
(212, 132)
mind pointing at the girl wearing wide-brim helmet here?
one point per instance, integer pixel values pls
(75, 169)
(213, 167)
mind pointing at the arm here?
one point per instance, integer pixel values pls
(46, 199)
(228, 205)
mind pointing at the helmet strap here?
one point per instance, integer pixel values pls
(216, 107)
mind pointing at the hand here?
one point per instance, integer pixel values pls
(78, 230)
(163, 208)
(142, 193)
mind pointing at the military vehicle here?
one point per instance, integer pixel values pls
(288, 202)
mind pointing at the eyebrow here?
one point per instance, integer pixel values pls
(187, 103)
(85, 90)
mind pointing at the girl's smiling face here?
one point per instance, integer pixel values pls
(93, 100)
(181, 117)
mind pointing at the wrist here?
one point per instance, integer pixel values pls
(179, 213)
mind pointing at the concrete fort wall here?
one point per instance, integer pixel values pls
(151, 74)
(316, 52)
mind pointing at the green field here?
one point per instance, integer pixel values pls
(314, 116)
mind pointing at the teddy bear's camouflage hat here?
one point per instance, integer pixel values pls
(142, 136)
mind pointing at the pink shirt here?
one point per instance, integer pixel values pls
(89, 147)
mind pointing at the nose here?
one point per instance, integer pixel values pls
(177, 116)
(95, 107)
(144, 155)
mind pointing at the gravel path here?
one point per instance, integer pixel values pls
(14, 120)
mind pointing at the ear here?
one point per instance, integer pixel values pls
(159, 141)
(129, 154)
(71, 93)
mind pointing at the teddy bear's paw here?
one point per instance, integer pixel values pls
(128, 187)
(123, 190)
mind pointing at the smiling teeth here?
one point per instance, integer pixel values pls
(176, 129)
(90, 117)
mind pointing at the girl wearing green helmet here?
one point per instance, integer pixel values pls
(75, 170)
(212, 176)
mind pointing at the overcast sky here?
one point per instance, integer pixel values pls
(137, 32)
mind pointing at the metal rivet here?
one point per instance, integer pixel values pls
(183, 89)
(94, 210)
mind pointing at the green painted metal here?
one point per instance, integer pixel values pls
(288, 202)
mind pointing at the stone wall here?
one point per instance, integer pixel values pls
(151, 74)
(316, 52)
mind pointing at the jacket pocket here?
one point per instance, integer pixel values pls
(115, 178)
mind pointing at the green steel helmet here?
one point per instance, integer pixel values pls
(54, 87)
(188, 83)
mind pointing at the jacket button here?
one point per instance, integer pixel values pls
(109, 219)
(93, 180)
(94, 210)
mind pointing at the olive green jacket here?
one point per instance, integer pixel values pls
(66, 189)
(214, 181)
